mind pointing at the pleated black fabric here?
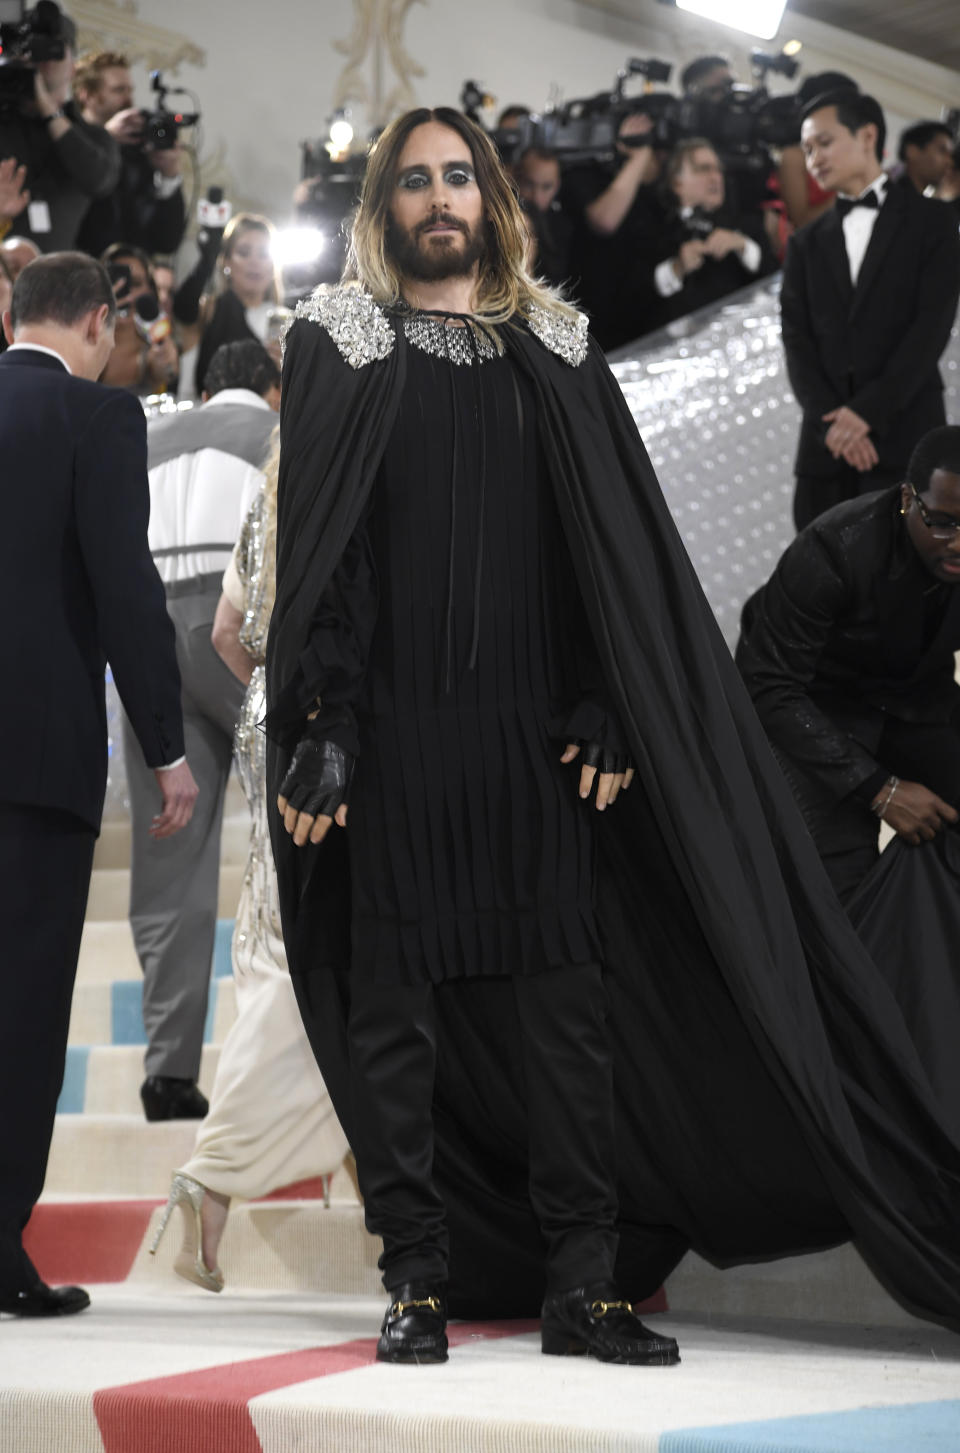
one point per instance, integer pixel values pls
(470, 850)
(770, 1093)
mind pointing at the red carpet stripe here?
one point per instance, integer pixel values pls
(207, 1411)
(87, 1241)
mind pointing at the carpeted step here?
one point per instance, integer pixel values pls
(109, 898)
(148, 1370)
(280, 1246)
(113, 1013)
(116, 1155)
(107, 951)
(106, 1079)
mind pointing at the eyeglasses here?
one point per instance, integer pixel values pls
(939, 529)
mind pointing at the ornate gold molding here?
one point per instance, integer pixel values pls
(374, 48)
(115, 25)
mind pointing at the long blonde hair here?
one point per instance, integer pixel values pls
(505, 286)
(238, 225)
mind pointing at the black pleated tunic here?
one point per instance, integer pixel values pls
(471, 853)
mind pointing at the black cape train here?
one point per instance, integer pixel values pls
(771, 1098)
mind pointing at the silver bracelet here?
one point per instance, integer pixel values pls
(894, 783)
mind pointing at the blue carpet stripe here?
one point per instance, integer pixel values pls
(907, 1428)
(74, 1091)
(222, 963)
(126, 995)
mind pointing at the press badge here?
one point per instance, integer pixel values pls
(38, 214)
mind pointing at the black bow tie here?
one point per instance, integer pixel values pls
(847, 204)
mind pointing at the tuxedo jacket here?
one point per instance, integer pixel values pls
(78, 587)
(875, 346)
(850, 629)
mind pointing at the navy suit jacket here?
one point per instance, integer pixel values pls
(876, 346)
(78, 587)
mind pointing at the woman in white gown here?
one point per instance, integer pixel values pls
(271, 1122)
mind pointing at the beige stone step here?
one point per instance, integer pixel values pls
(281, 1246)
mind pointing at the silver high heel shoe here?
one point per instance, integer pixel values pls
(188, 1194)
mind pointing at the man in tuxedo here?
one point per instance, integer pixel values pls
(869, 297)
(78, 588)
(848, 654)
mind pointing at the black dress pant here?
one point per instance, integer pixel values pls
(846, 833)
(45, 862)
(815, 494)
(568, 1080)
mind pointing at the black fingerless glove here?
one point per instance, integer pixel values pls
(595, 754)
(318, 778)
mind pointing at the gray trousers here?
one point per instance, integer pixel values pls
(174, 883)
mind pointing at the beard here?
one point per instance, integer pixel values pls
(428, 258)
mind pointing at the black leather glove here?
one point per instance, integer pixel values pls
(593, 754)
(318, 778)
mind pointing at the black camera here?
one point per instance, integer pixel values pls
(161, 126)
(35, 36)
(743, 126)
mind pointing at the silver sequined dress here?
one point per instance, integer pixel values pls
(271, 1122)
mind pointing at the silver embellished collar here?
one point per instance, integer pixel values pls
(458, 342)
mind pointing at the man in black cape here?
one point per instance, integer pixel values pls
(769, 1099)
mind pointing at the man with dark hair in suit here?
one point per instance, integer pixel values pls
(78, 588)
(204, 473)
(869, 296)
(926, 152)
(848, 654)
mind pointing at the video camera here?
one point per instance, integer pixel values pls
(27, 38)
(742, 126)
(161, 126)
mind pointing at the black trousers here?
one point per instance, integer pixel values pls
(45, 862)
(815, 493)
(569, 1091)
(846, 833)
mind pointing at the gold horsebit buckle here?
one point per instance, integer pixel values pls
(600, 1309)
(398, 1308)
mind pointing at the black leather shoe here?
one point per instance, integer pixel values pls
(44, 1301)
(415, 1326)
(591, 1321)
(165, 1098)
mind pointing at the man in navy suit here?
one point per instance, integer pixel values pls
(869, 297)
(77, 588)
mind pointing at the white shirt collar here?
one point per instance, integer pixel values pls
(237, 396)
(41, 348)
(878, 185)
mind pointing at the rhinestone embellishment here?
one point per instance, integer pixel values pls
(357, 325)
(566, 337)
(443, 340)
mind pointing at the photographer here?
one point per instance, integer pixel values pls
(146, 207)
(618, 211)
(145, 359)
(538, 182)
(708, 78)
(705, 250)
(68, 161)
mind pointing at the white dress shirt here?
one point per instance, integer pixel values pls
(41, 348)
(858, 226)
(665, 278)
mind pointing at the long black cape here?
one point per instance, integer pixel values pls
(770, 1098)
